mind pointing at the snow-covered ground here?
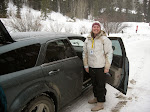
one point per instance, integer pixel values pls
(138, 52)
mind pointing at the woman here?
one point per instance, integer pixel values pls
(97, 58)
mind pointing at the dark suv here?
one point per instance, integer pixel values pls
(42, 72)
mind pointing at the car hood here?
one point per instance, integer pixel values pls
(5, 37)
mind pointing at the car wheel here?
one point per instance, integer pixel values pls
(40, 104)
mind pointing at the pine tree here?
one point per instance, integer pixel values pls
(145, 6)
(54, 5)
(3, 10)
(148, 12)
(96, 8)
(90, 9)
(19, 6)
(110, 10)
(45, 8)
(81, 6)
(138, 8)
(119, 5)
(119, 15)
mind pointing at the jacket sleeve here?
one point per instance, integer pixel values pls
(85, 54)
(108, 52)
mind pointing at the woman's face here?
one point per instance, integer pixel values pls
(96, 29)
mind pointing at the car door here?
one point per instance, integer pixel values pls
(119, 71)
(62, 70)
(77, 43)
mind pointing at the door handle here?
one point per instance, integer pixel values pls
(53, 71)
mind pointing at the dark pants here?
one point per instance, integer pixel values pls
(99, 82)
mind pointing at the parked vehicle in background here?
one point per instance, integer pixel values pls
(42, 72)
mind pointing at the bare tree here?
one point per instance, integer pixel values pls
(68, 29)
(84, 30)
(56, 26)
(114, 27)
(27, 22)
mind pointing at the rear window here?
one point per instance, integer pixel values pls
(19, 59)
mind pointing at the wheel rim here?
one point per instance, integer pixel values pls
(40, 108)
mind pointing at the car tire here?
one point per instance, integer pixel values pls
(40, 104)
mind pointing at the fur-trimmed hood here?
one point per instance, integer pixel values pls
(102, 33)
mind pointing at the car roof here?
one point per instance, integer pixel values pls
(41, 36)
(29, 38)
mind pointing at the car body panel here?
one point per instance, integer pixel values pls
(69, 84)
(26, 95)
(16, 83)
(69, 72)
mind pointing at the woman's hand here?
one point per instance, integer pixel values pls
(87, 70)
(106, 70)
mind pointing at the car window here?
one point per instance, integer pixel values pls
(19, 59)
(69, 52)
(117, 54)
(58, 50)
(117, 47)
(77, 42)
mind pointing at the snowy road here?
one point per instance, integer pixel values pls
(81, 103)
(138, 96)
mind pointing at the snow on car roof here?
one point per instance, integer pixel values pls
(39, 35)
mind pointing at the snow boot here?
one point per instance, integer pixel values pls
(94, 100)
(98, 107)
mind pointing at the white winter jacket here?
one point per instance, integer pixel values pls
(100, 55)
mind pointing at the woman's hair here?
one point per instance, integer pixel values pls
(92, 34)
